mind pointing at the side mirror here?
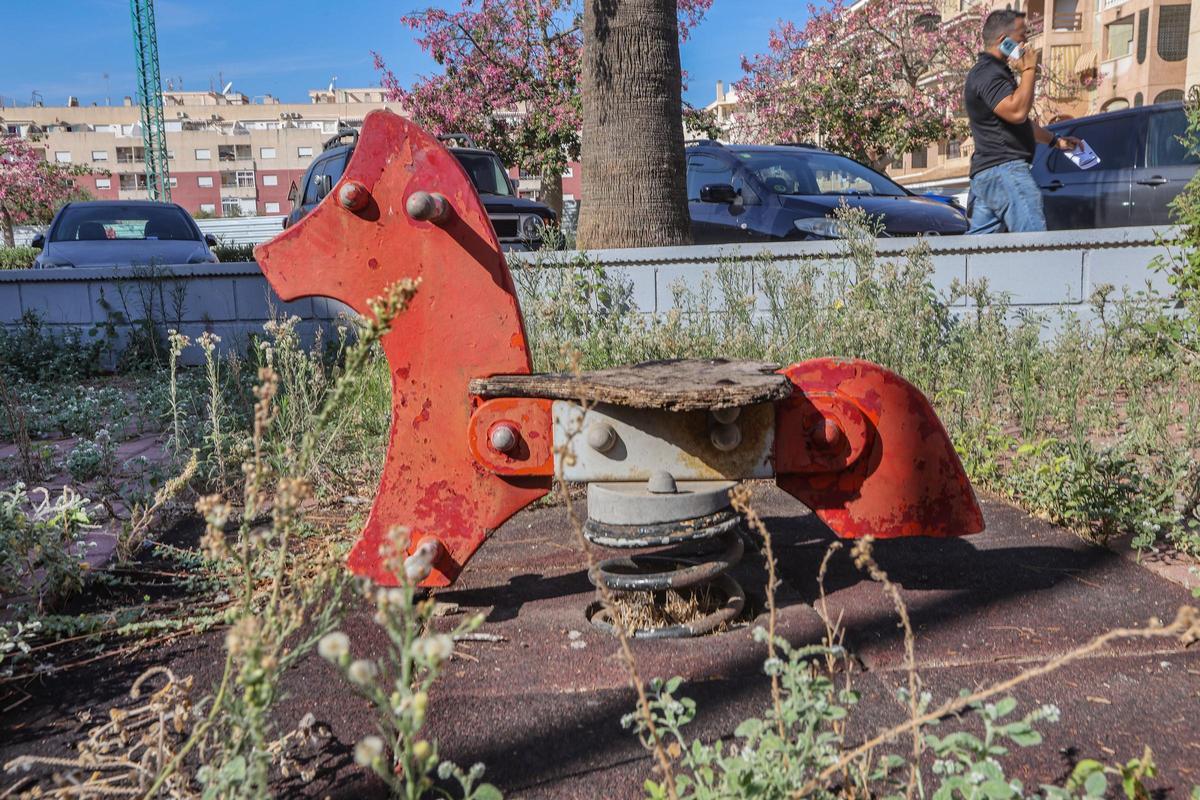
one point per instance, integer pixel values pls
(323, 184)
(722, 193)
(293, 193)
(210, 240)
(39, 241)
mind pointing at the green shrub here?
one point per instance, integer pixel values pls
(17, 257)
(30, 351)
(42, 544)
(234, 252)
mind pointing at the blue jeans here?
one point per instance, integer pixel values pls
(1004, 198)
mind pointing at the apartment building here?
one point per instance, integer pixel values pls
(228, 154)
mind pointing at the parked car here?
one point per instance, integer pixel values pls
(764, 193)
(518, 221)
(1143, 166)
(107, 233)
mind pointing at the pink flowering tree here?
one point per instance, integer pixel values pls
(31, 188)
(882, 79)
(510, 72)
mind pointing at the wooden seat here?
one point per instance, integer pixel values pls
(672, 385)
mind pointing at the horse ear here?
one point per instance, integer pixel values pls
(463, 322)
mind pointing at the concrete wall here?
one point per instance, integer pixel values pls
(1051, 272)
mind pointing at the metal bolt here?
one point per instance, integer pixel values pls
(661, 482)
(601, 437)
(353, 196)
(502, 438)
(726, 437)
(427, 206)
(826, 434)
(726, 415)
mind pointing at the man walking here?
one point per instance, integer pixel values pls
(1003, 195)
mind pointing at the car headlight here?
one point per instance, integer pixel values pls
(531, 227)
(820, 226)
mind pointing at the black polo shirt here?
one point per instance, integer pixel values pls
(996, 141)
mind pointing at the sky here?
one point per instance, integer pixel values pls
(286, 47)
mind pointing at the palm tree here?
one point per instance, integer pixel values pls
(634, 181)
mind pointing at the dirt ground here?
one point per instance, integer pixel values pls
(541, 705)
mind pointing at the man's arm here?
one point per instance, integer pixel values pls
(1044, 136)
(1015, 108)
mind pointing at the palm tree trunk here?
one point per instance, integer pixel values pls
(634, 180)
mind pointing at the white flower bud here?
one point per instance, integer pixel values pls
(367, 750)
(334, 646)
(362, 671)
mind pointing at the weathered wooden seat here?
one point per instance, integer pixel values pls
(671, 385)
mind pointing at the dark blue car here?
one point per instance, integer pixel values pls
(767, 193)
(115, 233)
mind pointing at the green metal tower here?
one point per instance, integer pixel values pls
(149, 94)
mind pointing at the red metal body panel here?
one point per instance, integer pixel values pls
(463, 323)
(907, 481)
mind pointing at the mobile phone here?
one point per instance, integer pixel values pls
(1010, 48)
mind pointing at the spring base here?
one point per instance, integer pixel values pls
(687, 579)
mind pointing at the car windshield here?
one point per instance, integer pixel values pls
(486, 172)
(124, 221)
(817, 173)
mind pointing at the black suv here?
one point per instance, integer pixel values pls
(1143, 166)
(763, 193)
(518, 221)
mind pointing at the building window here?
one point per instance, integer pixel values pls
(231, 207)
(99, 155)
(170, 155)
(271, 208)
(204, 181)
(1143, 33)
(1138, 100)
(568, 172)
(954, 148)
(241, 179)
(233, 152)
(62, 156)
(172, 181)
(1120, 38)
(266, 152)
(133, 180)
(1168, 96)
(303, 152)
(130, 155)
(270, 180)
(207, 208)
(920, 158)
(103, 183)
(203, 154)
(1173, 32)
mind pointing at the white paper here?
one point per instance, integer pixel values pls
(1083, 156)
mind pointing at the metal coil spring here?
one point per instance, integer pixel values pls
(701, 552)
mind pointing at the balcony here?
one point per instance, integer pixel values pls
(1067, 21)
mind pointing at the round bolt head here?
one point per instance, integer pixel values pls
(661, 482)
(353, 196)
(726, 415)
(601, 437)
(427, 207)
(726, 437)
(502, 438)
(827, 434)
